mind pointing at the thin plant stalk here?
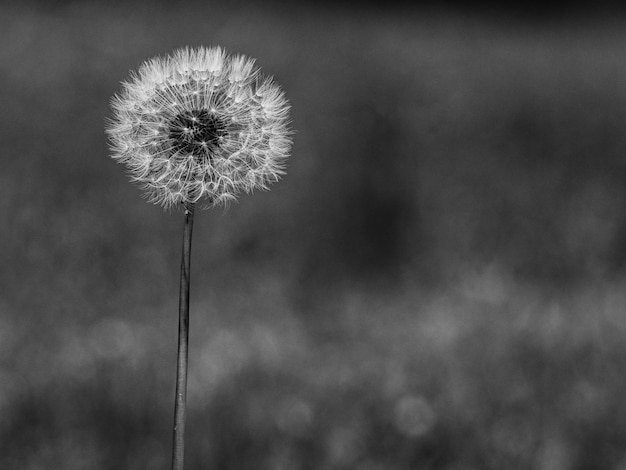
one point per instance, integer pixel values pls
(178, 449)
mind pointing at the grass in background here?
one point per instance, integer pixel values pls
(436, 284)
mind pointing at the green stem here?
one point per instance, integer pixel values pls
(178, 450)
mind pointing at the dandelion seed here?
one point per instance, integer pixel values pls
(208, 115)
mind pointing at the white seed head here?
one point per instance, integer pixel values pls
(200, 125)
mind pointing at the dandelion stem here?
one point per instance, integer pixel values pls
(178, 450)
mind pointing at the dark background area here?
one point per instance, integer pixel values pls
(437, 283)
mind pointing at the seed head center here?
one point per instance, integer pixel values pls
(197, 132)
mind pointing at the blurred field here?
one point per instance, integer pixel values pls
(438, 282)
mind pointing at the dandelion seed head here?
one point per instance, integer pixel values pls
(200, 125)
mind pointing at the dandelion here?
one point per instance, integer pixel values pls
(198, 127)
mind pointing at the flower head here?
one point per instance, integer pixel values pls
(200, 125)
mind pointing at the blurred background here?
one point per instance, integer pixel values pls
(437, 283)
